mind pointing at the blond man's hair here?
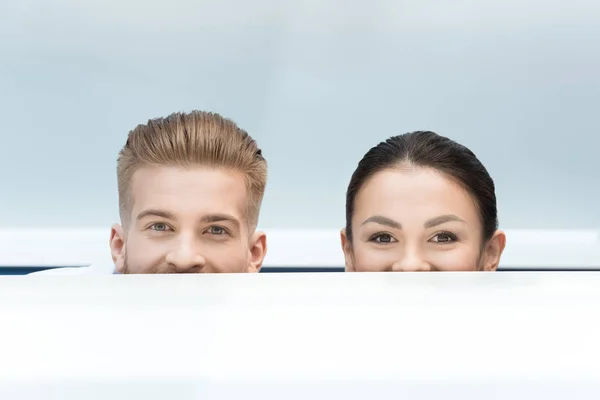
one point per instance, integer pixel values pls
(197, 138)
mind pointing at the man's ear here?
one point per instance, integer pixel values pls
(117, 246)
(493, 251)
(347, 249)
(257, 250)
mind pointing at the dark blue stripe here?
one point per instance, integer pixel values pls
(300, 269)
(22, 270)
(341, 269)
(267, 270)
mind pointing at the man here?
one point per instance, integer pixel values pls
(190, 190)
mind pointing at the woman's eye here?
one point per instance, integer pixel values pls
(160, 227)
(444, 237)
(383, 238)
(217, 230)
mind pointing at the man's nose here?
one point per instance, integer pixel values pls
(185, 256)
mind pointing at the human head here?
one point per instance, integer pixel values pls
(190, 189)
(420, 201)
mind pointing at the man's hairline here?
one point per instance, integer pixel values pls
(128, 222)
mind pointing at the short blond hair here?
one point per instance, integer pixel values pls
(192, 139)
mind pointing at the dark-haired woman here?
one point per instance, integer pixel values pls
(421, 202)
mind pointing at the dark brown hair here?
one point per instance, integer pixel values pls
(430, 150)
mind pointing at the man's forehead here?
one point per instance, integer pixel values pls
(189, 192)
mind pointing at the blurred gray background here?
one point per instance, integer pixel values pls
(316, 82)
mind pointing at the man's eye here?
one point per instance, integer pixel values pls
(217, 230)
(159, 227)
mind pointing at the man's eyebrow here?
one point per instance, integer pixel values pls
(209, 218)
(441, 220)
(381, 220)
(155, 213)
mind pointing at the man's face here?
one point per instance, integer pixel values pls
(187, 220)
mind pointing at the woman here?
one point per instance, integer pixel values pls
(421, 202)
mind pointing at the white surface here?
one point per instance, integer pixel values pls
(267, 334)
(265, 390)
(292, 248)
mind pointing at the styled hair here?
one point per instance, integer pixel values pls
(429, 150)
(192, 139)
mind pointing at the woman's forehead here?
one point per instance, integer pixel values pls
(409, 191)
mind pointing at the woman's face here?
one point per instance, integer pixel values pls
(416, 219)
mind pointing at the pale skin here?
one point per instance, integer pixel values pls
(187, 220)
(417, 219)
